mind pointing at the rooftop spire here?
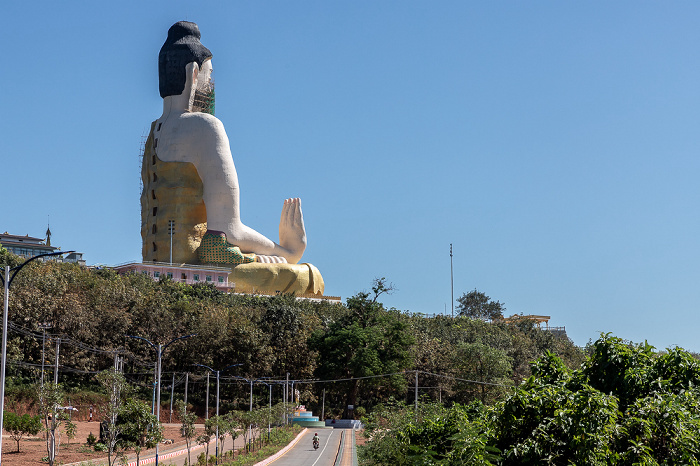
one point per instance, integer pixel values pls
(48, 234)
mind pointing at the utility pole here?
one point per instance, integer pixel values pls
(171, 230)
(6, 280)
(286, 399)
(153, 402)
(217, 400)
(55, 372)
(250, 426)
(159, 352)
(206, 412)
(43, 328)
(217, 418)
(187, 379)
(323, 405)
(172, 394)
(416, 394)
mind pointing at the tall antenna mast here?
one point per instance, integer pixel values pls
(171, 230)
(452, 283)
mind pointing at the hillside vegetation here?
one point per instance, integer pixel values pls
(626, 405)
(92, 311)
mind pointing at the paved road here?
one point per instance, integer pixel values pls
(180, 460)
(303, 453)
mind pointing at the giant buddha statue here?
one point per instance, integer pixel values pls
(190, 203)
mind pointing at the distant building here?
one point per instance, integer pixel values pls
(184, 273)
(29, 246)
(537, 320)
(193, 274)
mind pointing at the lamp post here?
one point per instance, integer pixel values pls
(43, 327)
(7, 278)
(159, 352)
(217, 401)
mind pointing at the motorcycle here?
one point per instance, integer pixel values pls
(315, 444)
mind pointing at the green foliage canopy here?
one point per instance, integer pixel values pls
(625, 405)
(21, 426)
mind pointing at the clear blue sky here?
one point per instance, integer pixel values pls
(555, 144)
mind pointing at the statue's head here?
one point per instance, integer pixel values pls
(180, 48)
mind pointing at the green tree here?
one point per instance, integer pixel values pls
(367, 341)
(486, 365)
(626, 405)
(245, 420)
(431, 435)
(209, 432)
(71, 430)
(115, 385)
(188, 428)
(50, 397)
(212, 426)
(7, 258)
(477, 305)
(204, 441)
(140, 429)
(21, 426)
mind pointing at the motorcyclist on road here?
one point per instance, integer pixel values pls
(316, 439)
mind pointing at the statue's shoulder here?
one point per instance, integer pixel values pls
(202, 121)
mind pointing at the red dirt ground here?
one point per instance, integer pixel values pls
(33, 449)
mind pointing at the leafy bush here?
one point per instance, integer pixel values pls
(21, 426)
(625, 405)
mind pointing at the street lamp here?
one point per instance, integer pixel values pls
(159, 352)
(7, 281)
(217, 401)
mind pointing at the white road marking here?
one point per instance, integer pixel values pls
(324, 449)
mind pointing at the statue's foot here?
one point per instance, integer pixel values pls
(270, 259)
(292, 231)
(214, 249)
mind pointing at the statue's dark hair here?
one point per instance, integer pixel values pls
(180, 48)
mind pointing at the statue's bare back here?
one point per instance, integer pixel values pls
(184, 135)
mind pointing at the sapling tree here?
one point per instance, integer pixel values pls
(71, 430)
(223, 432)
(188, 429)
(50, 396)
(232, 429)
(115, 385)
(139, 426)
(21, 426)
(204, 440)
